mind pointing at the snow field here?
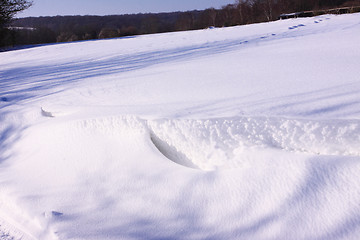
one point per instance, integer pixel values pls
(250, 132)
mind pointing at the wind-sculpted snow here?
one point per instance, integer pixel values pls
(264, 173)
(210, 144)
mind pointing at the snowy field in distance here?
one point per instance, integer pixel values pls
(248, 132)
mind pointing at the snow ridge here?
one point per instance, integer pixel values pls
(209, 144)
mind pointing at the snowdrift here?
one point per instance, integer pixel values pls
(213, 170)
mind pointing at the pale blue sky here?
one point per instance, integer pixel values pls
(108, 7)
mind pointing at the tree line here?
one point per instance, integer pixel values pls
(8, 9)
(39, 30)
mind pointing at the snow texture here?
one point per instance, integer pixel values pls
(248, 132)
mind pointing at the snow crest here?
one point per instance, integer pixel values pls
(214, 143)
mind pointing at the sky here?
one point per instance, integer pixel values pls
(112, 7)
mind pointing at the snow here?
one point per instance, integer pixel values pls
(248, 132)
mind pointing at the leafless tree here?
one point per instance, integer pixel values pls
(9, 8)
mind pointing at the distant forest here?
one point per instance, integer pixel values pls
(39, 30)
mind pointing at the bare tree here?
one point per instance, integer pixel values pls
(268, 9)
(227, 14)
(185, 21)
(9, 8)
(210, 14)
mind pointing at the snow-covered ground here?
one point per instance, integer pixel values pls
(249, 132)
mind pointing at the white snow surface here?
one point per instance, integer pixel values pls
(247, 132)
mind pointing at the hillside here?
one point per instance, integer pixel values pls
(247, 132)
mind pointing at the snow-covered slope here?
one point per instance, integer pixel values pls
(249, 132)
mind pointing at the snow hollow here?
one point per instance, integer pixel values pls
(248, 132)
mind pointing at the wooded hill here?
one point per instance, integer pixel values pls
(38, 30)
